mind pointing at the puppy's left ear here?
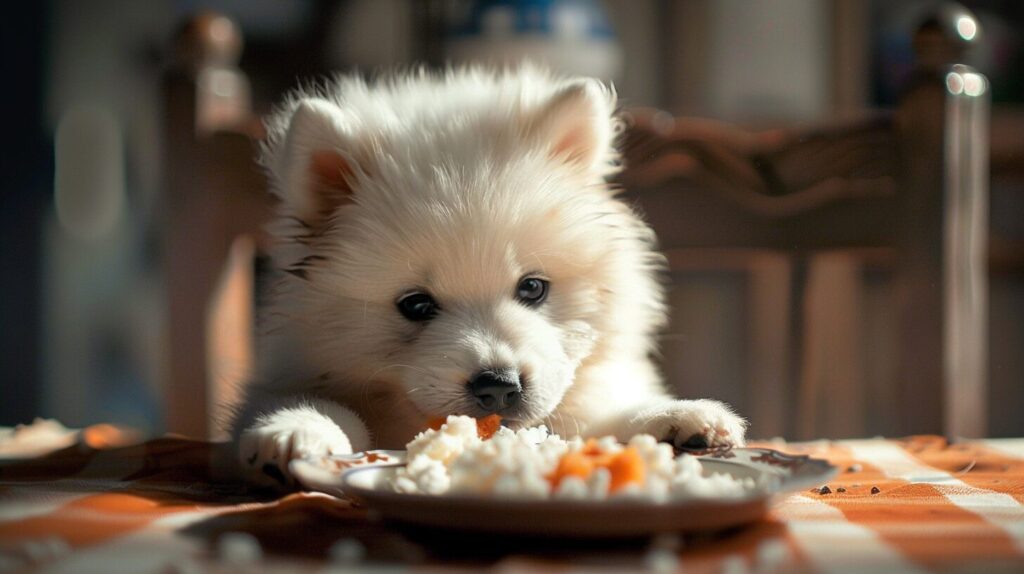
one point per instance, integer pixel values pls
(578, 125)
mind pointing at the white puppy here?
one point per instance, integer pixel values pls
(449, 244)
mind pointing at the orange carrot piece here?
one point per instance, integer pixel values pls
(626, 467)
(487, 426)
(576, 464)
(591, 447)
(436, 422)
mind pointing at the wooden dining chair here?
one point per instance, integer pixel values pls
(810, 217)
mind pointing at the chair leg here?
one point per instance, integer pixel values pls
(831, 402)
(770, 343)
(230, 325)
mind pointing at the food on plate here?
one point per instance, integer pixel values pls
(624, 467)
(463, 456)
(485, 427)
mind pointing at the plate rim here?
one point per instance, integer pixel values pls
(789, 484)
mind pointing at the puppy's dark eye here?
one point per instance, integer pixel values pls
(418, 307)
(532, 291)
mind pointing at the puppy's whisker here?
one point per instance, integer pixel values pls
(575, 423)
(397, 366)
(452, 404)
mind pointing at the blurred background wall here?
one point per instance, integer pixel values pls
(84, 323)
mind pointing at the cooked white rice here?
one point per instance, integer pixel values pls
(454, 460)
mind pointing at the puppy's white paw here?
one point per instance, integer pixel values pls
(693, 425)
(266, 448)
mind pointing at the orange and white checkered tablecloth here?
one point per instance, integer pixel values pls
(98, 505)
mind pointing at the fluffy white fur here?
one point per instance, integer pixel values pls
(459, 185)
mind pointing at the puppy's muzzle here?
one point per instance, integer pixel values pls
(496, 390)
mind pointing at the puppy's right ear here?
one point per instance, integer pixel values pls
(315, 168)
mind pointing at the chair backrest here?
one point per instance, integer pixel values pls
(809, 214)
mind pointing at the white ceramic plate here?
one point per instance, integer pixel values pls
(360, 478)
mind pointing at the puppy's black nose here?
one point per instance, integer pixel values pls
(496, 390)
